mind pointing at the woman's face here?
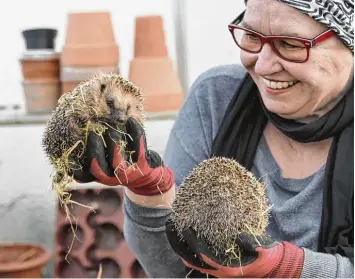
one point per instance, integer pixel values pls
(319, 80)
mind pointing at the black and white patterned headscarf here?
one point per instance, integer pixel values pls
(337, 15)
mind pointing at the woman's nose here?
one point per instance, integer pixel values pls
(267, 61)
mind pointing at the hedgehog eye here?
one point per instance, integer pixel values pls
(110, 103)
(102, 88)
(128, 107)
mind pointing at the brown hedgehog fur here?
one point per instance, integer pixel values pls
(220, 199)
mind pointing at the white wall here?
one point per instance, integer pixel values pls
(208, 40)
(16, 15)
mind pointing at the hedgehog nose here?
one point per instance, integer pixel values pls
(118, 115)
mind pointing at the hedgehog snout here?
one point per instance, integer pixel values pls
(118, 115)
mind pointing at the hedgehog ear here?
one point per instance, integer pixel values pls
(102, 88)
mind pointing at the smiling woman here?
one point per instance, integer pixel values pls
(317, 82)
(286, 114)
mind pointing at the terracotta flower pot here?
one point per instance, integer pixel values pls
(72, 76)
(22, 260)
(68, 85)
(90, 40)
(95, 55)
(41, 96)
(89, 28)
(159, 82)
(150, 37)
(83, 73)
(37, 65)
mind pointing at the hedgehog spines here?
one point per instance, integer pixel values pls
(220, 200)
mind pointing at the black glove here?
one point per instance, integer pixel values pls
(143, 173)
(261, 257)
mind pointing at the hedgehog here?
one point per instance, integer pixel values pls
(221, 200)
(105, 100)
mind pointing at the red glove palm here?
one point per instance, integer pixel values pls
(144, 173)
(276, 260)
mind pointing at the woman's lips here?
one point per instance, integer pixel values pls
(276, 91)
(272, 91)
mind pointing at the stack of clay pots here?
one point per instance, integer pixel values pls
(90, 48)
(40, 70)
(151, 69)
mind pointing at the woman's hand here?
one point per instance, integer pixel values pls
(140, 170)
(260, 258)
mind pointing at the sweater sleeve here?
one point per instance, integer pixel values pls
(321, 265)
(144, 231)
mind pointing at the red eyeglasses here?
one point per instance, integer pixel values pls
(291, 49)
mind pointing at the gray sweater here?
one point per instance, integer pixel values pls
(297, 203)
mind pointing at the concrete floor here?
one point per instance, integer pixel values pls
(27, 204)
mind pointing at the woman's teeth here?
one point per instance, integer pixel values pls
(279, 84)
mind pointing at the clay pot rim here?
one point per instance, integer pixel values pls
(152, 58)
(39, 56)
(68, 73)
(89, 69)
(90, 55)
(41, 81)
(83, 13)
(153, 15)
(39, 59)
(33, 263)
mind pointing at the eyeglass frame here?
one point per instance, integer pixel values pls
(308, 43)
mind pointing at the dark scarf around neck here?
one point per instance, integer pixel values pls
(243, 126)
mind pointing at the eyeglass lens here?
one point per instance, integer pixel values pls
(290, 49)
